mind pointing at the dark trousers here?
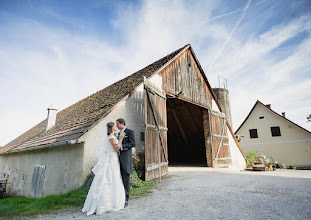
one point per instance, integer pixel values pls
(126, 182)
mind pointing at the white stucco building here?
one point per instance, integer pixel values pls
(272, 134)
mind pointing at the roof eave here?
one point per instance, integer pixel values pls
(59, 143)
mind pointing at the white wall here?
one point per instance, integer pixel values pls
(293, 147)
(62, 174)
(132, 111)
(238, 161)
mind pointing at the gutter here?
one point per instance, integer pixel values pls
(59, 143)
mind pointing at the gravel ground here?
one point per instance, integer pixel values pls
(205, 193)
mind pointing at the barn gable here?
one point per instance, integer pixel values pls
(184, 75)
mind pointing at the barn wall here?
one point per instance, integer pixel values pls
(184, 75)
(62, 174)
(292, 147)
(131, 110)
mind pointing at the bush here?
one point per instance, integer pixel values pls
(139, 165)
(88, 181)
(135, 181)
(251, 157)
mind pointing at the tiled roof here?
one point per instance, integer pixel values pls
(73, 121)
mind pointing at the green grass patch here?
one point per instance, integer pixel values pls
(22, 206)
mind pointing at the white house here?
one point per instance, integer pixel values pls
(169, 104)
(272, 134)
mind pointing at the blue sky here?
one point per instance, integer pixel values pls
(59, 52)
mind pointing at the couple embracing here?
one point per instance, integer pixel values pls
(110, 188)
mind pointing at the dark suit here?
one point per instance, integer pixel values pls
(126, 160)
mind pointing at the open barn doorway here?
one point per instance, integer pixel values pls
(185, 136)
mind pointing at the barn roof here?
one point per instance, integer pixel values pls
(74, 121)
(278, 115)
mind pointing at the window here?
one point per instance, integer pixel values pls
(275, 131)
(253, 133)
(262, 117)
(24, 177)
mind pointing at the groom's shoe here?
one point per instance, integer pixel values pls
(126, 203)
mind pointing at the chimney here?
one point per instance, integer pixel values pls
(51, 119)
(269, 106)
(283, 114)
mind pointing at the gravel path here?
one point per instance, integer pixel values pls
(205, 193)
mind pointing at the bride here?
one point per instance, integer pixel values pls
(107, 192)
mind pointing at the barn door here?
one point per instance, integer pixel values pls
(219, 140)
(156, 158)
(37, 181)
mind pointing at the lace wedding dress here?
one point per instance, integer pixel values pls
(107, 192)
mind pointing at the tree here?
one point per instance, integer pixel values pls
(309, 118)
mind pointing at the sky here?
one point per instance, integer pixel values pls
(59, 52)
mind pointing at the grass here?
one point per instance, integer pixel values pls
(22, 206)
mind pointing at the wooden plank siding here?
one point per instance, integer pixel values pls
(184, 75)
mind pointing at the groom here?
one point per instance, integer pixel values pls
(126, 160)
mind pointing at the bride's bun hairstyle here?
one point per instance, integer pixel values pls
(109, 127)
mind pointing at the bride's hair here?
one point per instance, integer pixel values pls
(109, 127)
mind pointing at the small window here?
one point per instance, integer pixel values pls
(262, 117)
(275, 131)
(253, 133)
(24, 177)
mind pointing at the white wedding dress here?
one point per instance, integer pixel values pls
(107, 191)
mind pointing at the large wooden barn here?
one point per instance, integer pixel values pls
(169, 104)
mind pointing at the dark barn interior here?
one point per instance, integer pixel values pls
(185, 136)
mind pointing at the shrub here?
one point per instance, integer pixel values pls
(292, 167)
(135, 180)
(139, 165)
(251, 157)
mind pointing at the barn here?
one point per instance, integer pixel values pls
(169, 104)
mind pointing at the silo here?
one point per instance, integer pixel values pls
(222, 96)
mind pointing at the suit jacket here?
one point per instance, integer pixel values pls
(126, 154)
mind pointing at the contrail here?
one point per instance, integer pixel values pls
(223, 15)
(230, 35)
